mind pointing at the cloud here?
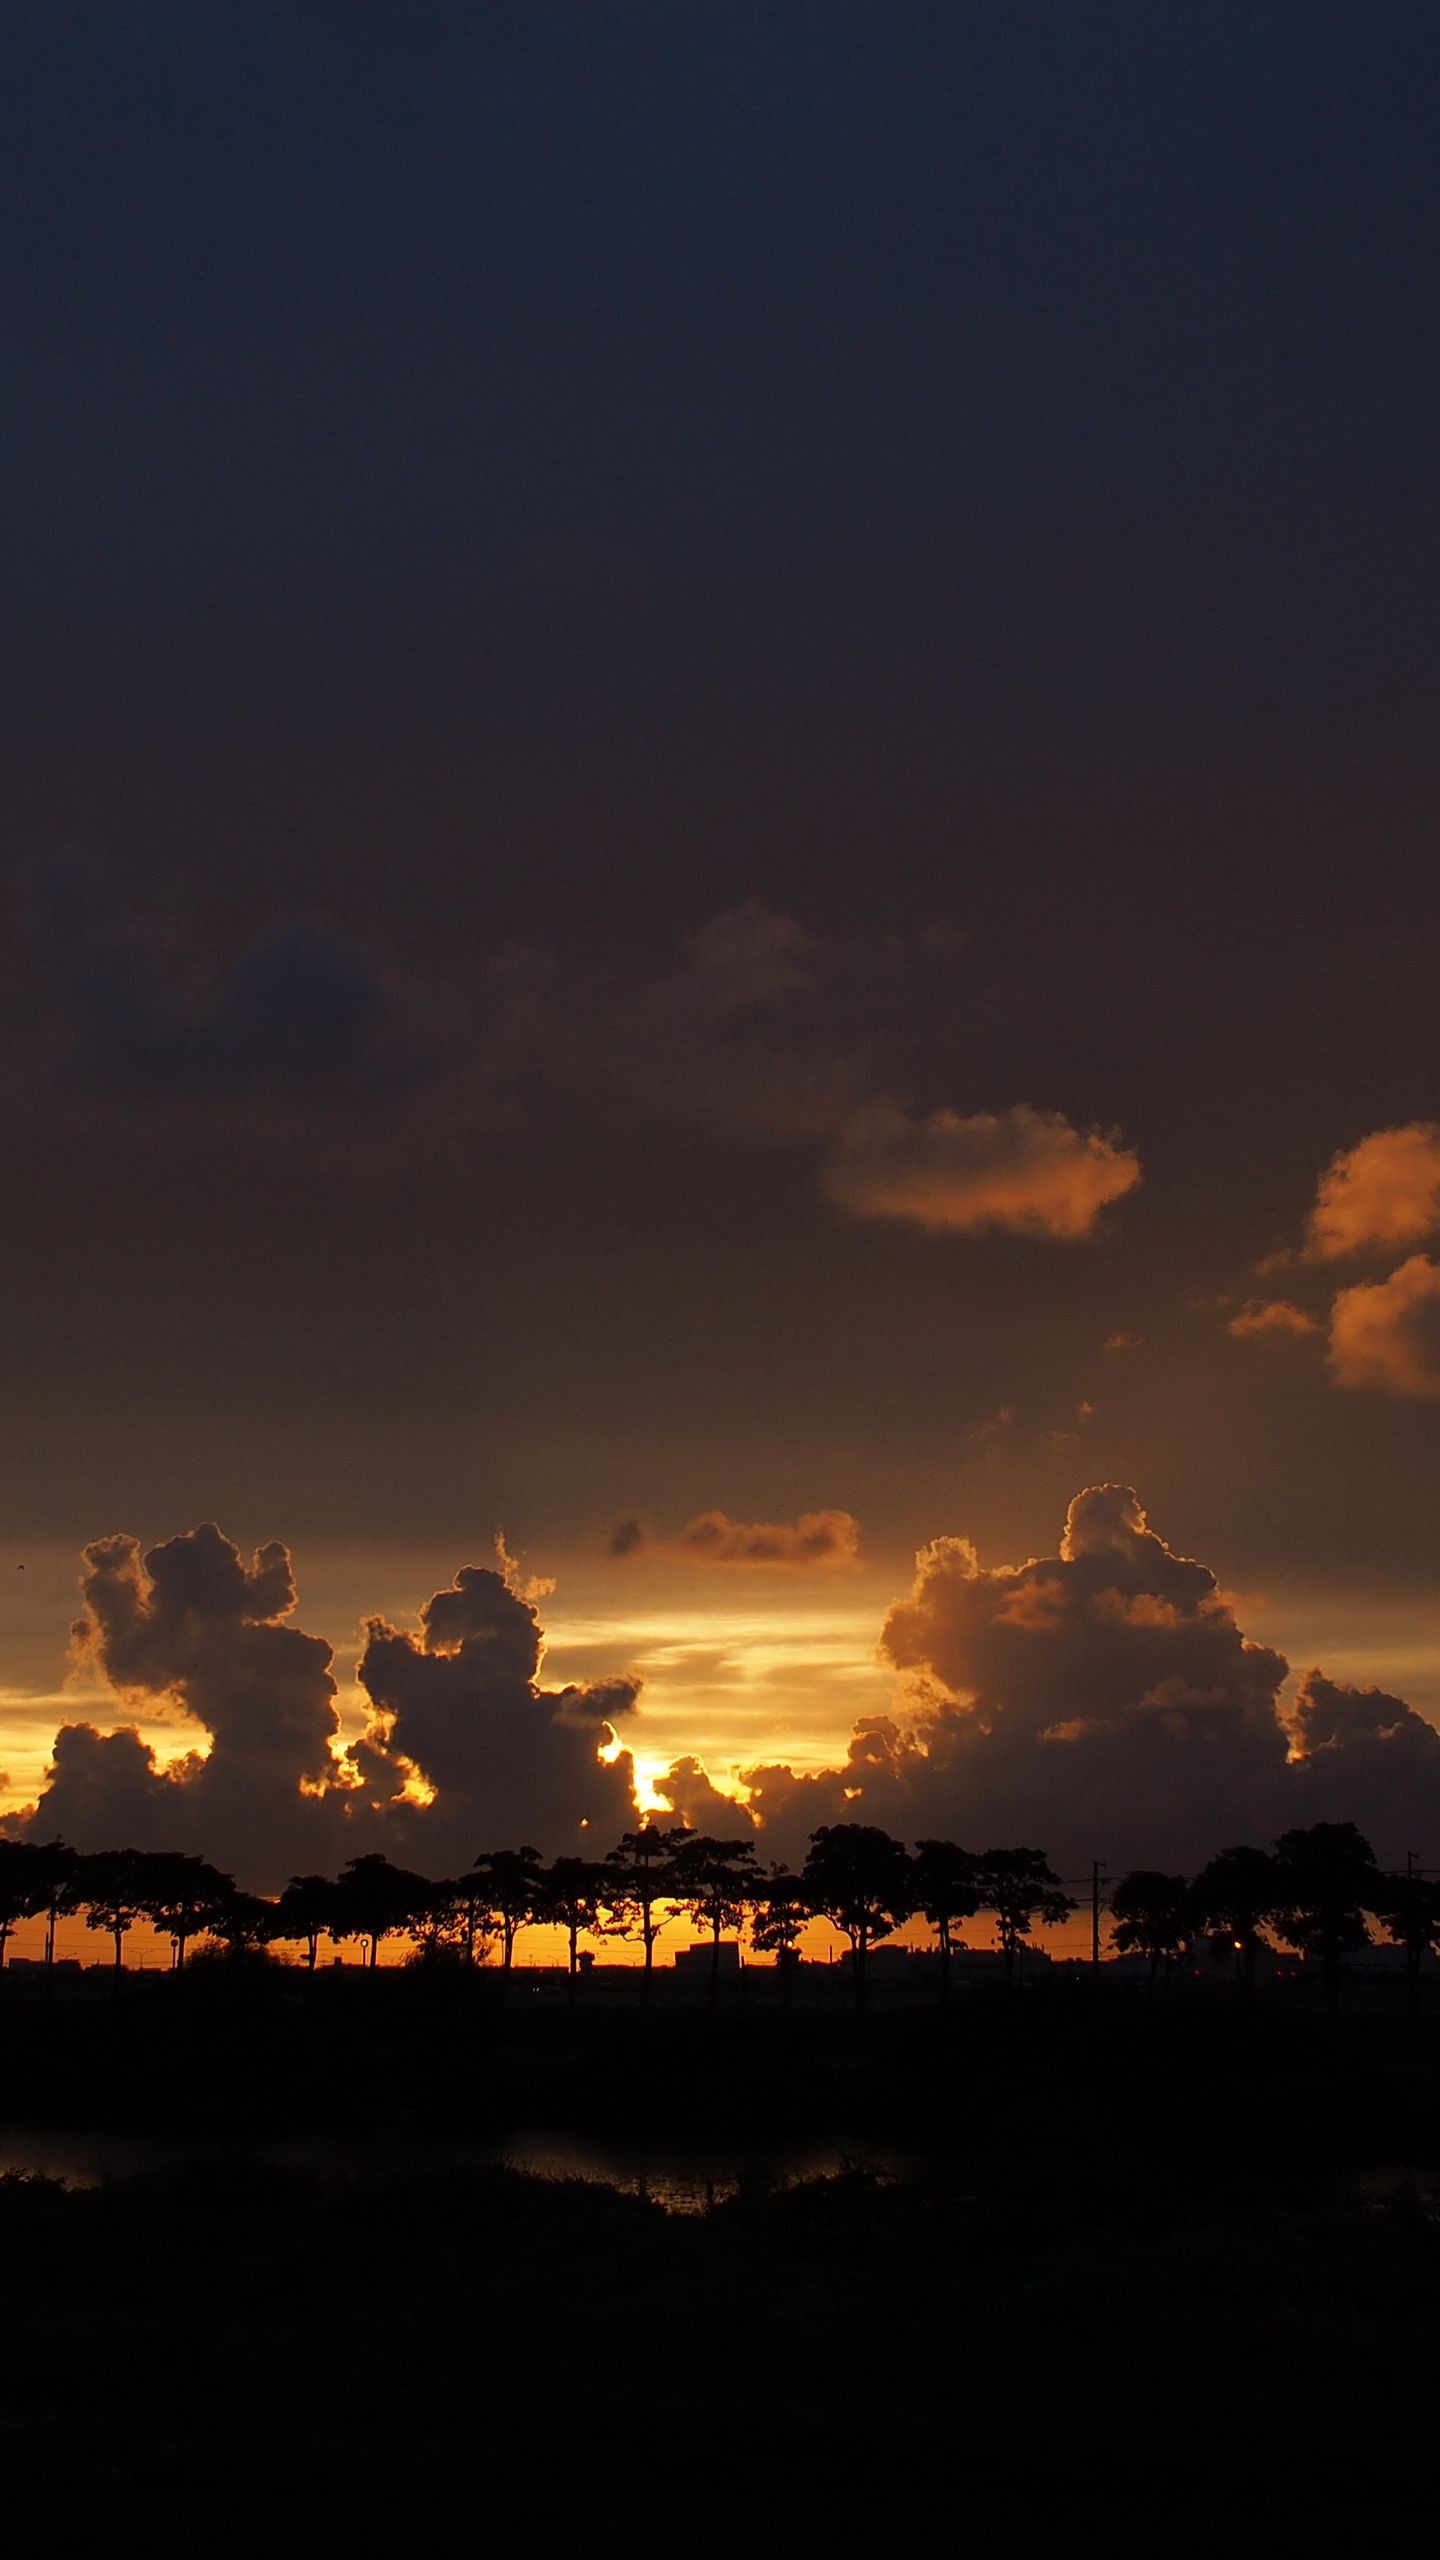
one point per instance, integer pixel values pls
(460, 1704)
(693, 1798)
(1030, 1172)
(1386, 1333)
(1271, 1319)
(1383, 1193)
(1363, 1747)
(752, 955)
(816, 1541)
(465, 1749)
(1103, 1701)
(766, 1033)
(136, 1006)
(192, 1623)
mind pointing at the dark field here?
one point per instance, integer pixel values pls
(265, 2363)
(1171, 2282)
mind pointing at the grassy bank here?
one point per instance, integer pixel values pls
(295, 2364)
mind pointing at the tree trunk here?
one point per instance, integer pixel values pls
(119, 1936)
(715, 1956)
(943, 1932)
(374, 1955)
(858, 1952)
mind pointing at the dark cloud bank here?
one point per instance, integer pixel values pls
(1101, 1700)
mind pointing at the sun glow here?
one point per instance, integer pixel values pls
(734, 1684)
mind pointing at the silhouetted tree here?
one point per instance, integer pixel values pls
(111, 1888)
(60, 1862)
(781, 1912)
(945, 1890)
(374, 1899)
(1408, 1910)
(1237, 1892)
(448, 1919)
(1022, 1890)
(639, 1869)
(510, 1882)
(569, 1896)
(184, 1896)
(716, 1880)
(304, 1913)
(1326, 1878)
(1151, 1912)
(241, 1923)
(24, 1886)
(861, 1880)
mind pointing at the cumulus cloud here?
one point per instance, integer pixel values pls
(465, 1749)
(1382, 1194)
(694, 1799)
(192, 1623)
(1271, 1319)
(460, 1705)
(1361, 1747)
(816, 1541)
(1386, 1333)
(1102, 1699)
(1031, 1172)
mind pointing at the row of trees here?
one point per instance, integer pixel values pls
(1313, 1891)
(856, 1876)
(1316, 1890)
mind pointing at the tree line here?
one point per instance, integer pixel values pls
(1315, 1890)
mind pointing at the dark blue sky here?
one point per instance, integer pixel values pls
(488, 488)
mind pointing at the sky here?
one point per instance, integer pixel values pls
(720, 855)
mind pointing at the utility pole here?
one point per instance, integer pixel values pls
(1095, 1915)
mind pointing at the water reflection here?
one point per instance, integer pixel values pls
(681, 2180)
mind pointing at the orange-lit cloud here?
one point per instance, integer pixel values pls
(1102, 1700)
(463, 1743)
(816, 1541)
(1101, 1694)
(1386, 1333)
(1269, 1317)
(1383, 1192)
(503, 1758)
(1031, 1172)
(193, 1624)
